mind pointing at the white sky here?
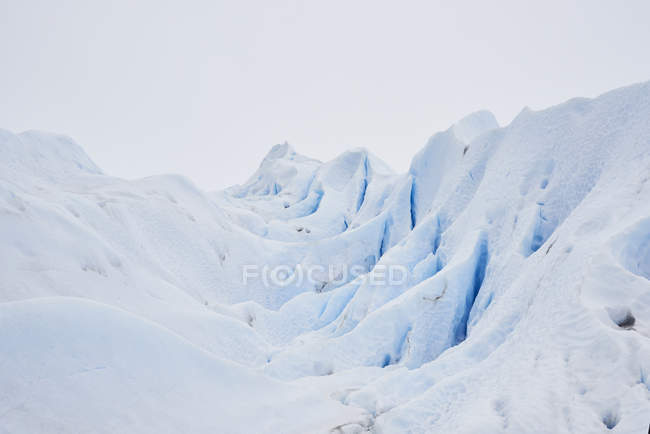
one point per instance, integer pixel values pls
(206, 88)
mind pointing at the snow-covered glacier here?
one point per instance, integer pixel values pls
(522, 303)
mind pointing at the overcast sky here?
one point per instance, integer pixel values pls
(206, 88)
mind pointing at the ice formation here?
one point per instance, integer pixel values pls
(525, 308)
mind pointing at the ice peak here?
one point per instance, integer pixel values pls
(281, 150)
(44, 154)
(474, 124)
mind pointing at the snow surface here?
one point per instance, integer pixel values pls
(526, 306)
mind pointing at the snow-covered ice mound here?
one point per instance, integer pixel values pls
(145, 306)
(81, 366)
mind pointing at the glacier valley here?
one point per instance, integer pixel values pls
(144, 306)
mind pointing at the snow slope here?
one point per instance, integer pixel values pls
(103, 370)
(525, 308)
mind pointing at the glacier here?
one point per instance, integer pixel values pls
(525, 305)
